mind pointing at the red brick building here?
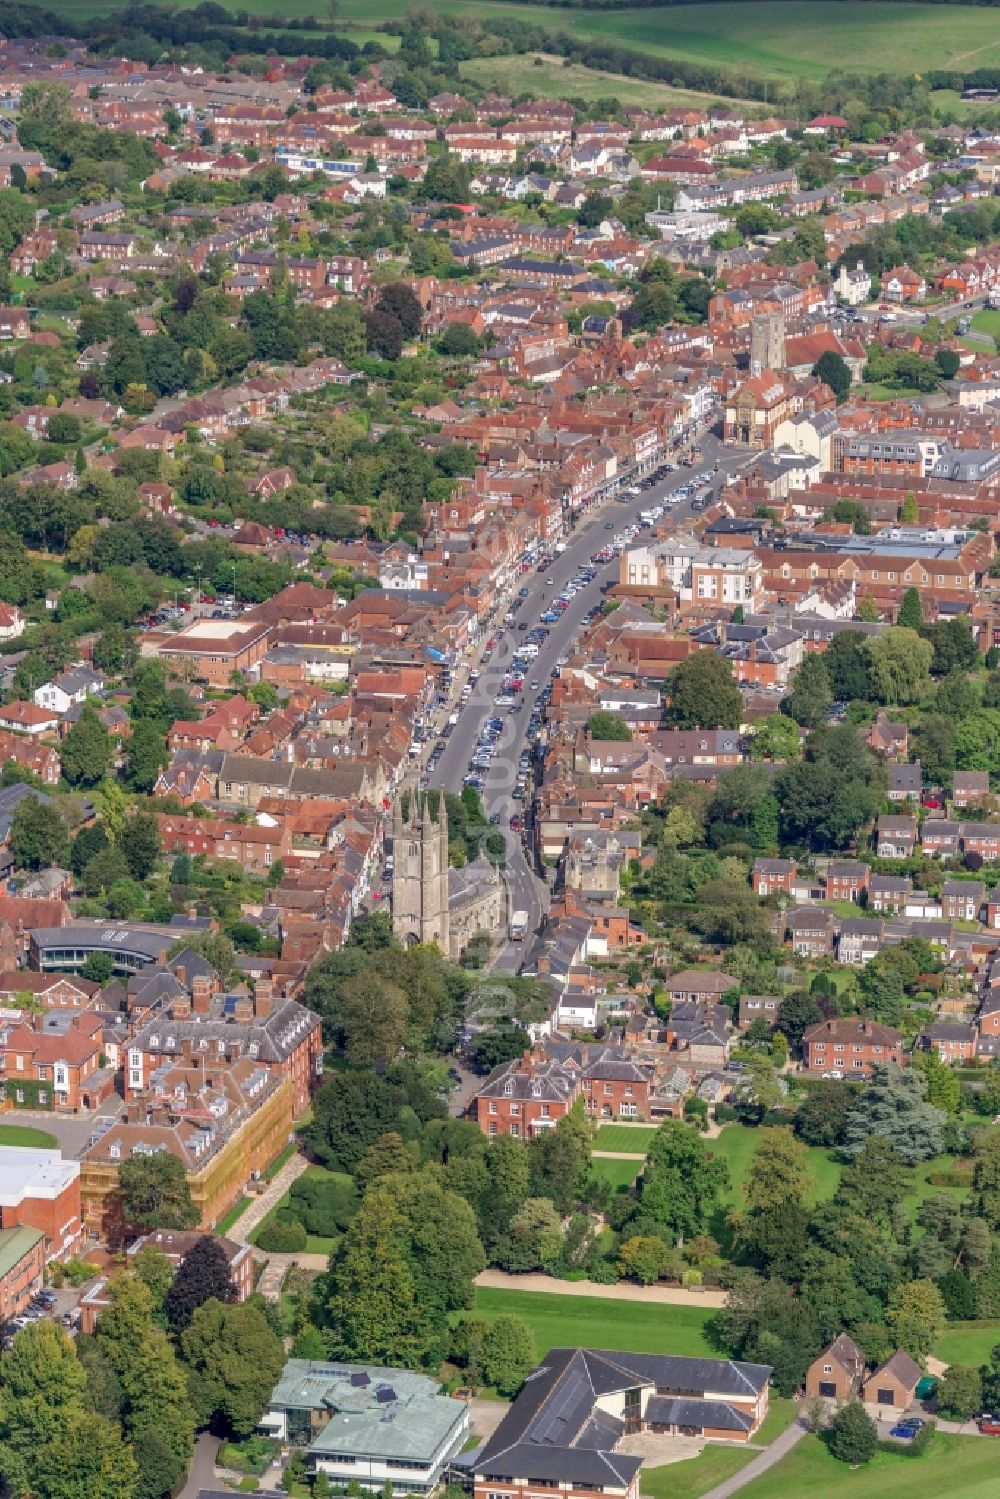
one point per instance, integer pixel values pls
(525, 1097)
(281, 1034)
(615, 1087)
(850, 1046)
(41, 1190)
(847, 879)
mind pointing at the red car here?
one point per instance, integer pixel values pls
(989, 1425)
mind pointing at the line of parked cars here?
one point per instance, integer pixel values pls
(37, 1308)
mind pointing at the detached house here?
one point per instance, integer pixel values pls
(838, 1372)
(72, 686)
(850, 1046)
(770, 875)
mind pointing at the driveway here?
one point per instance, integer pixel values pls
(201, 1474)
(760, 1464)
(73, 1132)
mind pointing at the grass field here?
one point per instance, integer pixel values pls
(26, 1134)
(952, 1468)
(547, 76)
(987, 321)
(968, 1342)
(780, 39)
(567, 1321)
(617, 1173)
(625, 1137)
(738, 1145)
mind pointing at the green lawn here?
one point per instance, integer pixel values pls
(987, 321)
(617, 1173)
(627, 1137)
(543, 75)
(922, 1188)
(568, 1321)
(738, 1145)
(26, 1134)
(952, 1468)
(694, 1476)
(968, 1342)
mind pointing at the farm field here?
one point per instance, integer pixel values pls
(567, 1321)
(625, 1137)
(959, 1467)
(27, 1135)
(539, 74)
(780, 39)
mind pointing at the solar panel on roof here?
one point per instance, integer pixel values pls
(384, 1394)
(359, 1381)
(229, 1004)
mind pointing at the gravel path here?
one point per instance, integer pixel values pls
(499, 1280)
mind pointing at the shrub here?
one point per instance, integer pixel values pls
(282, 1235)
(853, 1436)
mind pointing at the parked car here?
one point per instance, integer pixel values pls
(906, 1430)
(989, 1425)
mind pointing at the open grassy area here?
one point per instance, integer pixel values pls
(779, 39)
(987, 321)
(538, 74)
(26, 1134)
(738, 1145)
(695, 1476)
(567, 1321)
(617, 1173)
(625, 1137)
(968, 1342)
(952, 1468)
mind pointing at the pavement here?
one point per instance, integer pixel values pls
(528, 890)
(500, 1280)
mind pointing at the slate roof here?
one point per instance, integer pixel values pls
(552, 1430)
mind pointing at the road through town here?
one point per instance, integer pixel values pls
(595, 530)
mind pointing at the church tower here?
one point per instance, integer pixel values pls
(420, 873)
(767, 342)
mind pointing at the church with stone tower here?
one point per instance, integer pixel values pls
(430, 901)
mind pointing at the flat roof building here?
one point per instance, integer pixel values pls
(372, 1425)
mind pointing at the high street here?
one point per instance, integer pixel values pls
(595, 530)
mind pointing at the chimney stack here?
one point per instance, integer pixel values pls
(263, 998)
(201, 993)
(243, 1010)
(181, 1007)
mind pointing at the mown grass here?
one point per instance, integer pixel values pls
(632, 1139)
(587, 1321)
(951, 1468)
(26, 1134)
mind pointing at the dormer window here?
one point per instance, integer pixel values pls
(508, 1089)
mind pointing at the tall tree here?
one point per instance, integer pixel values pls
(894, 1107)
(154, 1389)
(703, 694)
(234, 1359)
(683, 1181)
(373, 1307)
(154, 1192)
(203, 1273)
(772, 1229)
(86, 750)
